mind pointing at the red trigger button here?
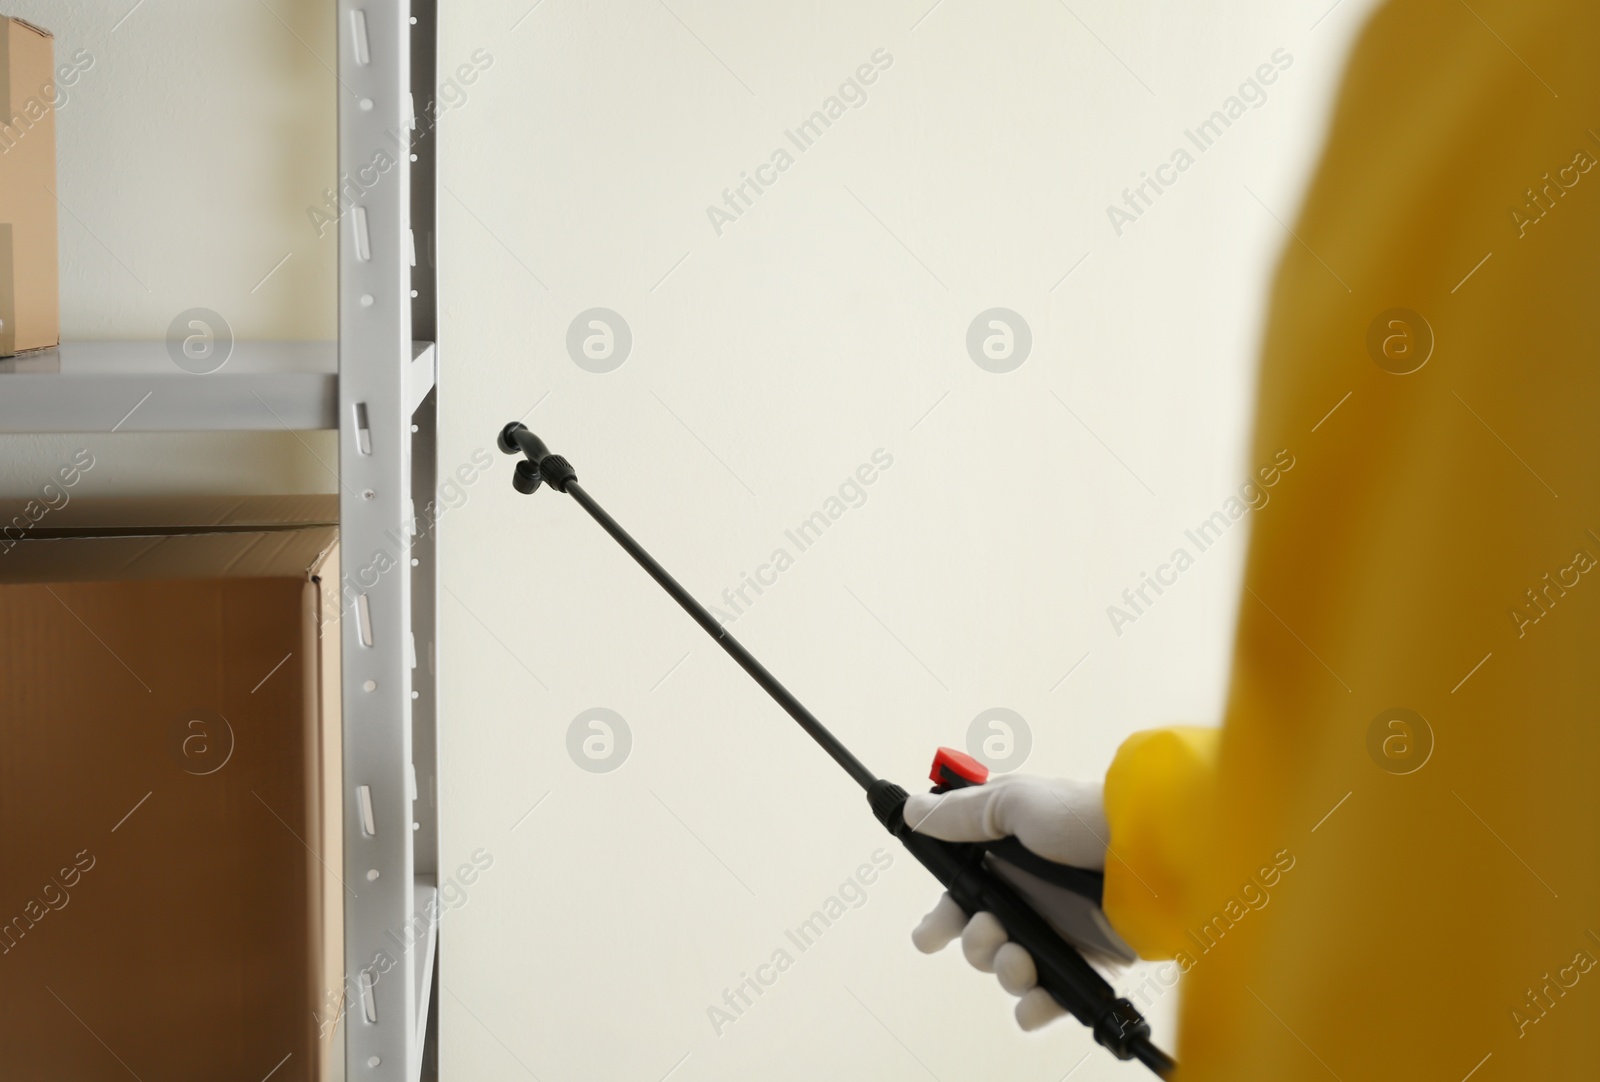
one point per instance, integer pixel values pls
(957, 769)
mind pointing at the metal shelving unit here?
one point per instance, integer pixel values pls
(378, 387)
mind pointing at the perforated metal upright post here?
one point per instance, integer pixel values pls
(388, 410)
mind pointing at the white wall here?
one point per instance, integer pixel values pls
(825, 323)
(768, 363)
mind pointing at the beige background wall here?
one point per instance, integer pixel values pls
(767, 364)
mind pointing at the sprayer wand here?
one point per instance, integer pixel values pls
(965, 869)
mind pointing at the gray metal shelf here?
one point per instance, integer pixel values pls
(137, 387)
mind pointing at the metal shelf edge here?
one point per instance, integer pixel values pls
(136, 386)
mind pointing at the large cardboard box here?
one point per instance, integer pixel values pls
(170, 905)
(30, 315)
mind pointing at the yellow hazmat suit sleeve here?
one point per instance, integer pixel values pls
(1388, 867)
(1157, 795)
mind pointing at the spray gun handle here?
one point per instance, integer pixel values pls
(1063, 972)
(954, 769)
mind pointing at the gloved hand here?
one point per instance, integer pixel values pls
(1063, 821)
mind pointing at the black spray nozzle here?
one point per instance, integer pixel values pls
(538, 465)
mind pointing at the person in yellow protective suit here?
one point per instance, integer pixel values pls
(1386, 863)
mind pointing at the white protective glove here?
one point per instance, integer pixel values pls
(1063, 821)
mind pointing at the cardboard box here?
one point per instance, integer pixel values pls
(30, 306)
(169, 792)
